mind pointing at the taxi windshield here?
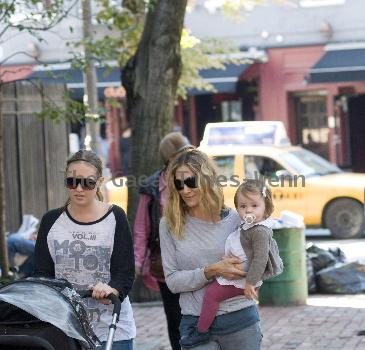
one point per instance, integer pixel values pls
(309, 164)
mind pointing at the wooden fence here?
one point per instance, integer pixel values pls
(35, 151)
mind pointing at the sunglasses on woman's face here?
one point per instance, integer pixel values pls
(86, 183)
(190, 182)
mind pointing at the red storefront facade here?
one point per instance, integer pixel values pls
(320, 109)
(326, 118)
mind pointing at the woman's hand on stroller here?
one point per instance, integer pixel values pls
(101, 291)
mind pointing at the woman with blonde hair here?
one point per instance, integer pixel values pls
(193, 232)
(89, 243)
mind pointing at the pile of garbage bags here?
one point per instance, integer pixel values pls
(329, 273)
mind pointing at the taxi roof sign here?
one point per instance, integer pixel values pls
(245, 133)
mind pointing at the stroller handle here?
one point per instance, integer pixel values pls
(87, 293)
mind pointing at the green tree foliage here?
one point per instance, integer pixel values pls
(32, 16)
(197, 55)
(127, 25)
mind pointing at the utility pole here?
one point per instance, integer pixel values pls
(4, 264)
(92, 123)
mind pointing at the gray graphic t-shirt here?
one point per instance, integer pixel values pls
(82, 254)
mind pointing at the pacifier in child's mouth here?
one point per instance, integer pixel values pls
(249, 219)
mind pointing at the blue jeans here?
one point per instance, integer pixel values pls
(22, 246)
(238, 330)
(249, 338)
(19, 245)
(120, 345)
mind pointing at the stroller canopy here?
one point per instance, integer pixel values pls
(54, 302)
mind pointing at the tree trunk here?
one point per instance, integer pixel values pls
(150, 79)
(3, 247)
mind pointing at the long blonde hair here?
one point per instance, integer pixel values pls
(91, 158)
(205, 172)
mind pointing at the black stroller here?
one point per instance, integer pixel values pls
(46, 314)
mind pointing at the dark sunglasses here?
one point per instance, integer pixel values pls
(86, 183)
(190, 182)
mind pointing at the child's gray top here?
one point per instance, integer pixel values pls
(184, 261)
(256, 244)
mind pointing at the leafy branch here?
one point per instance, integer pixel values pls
(33, 16)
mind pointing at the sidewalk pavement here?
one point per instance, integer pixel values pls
(327, 322)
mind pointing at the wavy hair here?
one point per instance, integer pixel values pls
(212, 200)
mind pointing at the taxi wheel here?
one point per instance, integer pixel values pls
(344, 217)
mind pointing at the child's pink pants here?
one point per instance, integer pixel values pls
(214, 294)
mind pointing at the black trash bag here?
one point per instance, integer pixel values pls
(342, 278)
(338, 254)
(322, 258)
(312, 287)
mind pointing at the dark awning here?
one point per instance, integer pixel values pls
(74, 79)
(223, 80)
(339, 66)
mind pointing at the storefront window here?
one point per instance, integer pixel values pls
(312, 124)
(231, 111)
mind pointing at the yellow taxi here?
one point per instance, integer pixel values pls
(301, 181)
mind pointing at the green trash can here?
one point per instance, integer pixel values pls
(291, 287)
